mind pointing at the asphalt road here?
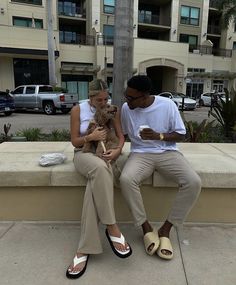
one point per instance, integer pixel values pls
(24, 120)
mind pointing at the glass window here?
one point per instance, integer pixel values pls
(108, 32)
(109, 6)
(28, 22)
(191, 39)
(234, 45)
(30, 90)
(34, 2)
(190, 15)
(19, 90)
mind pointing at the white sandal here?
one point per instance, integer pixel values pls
(121, 240)
(76, 261)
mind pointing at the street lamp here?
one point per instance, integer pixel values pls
(105, 53)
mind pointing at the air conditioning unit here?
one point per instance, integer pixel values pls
(196, 51)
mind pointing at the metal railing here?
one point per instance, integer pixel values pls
(213, 4)
(212, 29)
(79, 40)
(105, 40)
(71, 11)
(201, 49)
(152, 19)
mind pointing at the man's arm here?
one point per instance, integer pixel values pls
(149, 134)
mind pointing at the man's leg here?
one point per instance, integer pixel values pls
(138, 167)
(173, 165)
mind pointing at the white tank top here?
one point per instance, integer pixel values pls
(86, 115)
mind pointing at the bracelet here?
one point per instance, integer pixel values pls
(161, 136)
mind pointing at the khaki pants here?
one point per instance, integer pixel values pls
(172, 164)
(98, 203)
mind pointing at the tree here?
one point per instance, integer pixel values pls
(123, 49)
(228, 9)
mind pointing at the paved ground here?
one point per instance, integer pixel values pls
(38, 253)
(23, 120)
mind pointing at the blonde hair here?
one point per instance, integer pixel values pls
(96, 86)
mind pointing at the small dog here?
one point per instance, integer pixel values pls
(103, 118)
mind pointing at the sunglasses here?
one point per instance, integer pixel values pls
(130, 98)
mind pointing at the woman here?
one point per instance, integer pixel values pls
(98, 198)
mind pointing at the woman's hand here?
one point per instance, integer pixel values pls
(99, 134)
(111, 154)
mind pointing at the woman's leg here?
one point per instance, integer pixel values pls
(98, 200)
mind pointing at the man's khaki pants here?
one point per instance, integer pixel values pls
(98, 205)
(173, 165)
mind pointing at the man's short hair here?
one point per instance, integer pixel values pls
(140, 82)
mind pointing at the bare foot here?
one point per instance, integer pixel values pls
(114, 231)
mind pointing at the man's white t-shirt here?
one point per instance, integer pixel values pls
(162, 116)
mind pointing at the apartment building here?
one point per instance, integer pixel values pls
(178, 43)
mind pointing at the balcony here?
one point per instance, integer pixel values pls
(105, 40)
(70, 10)
(145, 18)
(213, 4)
(213, 30)
(76, 39)
(200, 49)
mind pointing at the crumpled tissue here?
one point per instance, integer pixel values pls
(52, 159)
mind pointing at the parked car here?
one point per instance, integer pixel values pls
(7, 105)
(42, 97)
(177, 98)
(209, 98)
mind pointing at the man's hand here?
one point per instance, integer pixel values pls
(149, 134)
(111, 154)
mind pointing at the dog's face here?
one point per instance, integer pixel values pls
(104, 114)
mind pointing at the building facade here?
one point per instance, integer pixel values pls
(178, 43)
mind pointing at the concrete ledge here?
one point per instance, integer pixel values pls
(31, 192)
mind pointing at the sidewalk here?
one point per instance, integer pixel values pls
(38, 253)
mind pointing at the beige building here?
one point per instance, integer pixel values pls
(178, 43)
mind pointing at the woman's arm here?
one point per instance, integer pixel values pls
(76, 139)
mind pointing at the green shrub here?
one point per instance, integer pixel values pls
(31, 134)
(59, 135)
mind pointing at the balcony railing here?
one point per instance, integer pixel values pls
(71, 11)
(152, 19)
(213, 4)
(199, 49)
(105, 40)
(77, 40)
(212, 29)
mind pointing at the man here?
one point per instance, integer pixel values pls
(154, 147)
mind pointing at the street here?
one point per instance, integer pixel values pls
(23, 120)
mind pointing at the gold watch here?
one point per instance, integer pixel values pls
(161, 136)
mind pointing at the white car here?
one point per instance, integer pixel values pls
(179, 99)
(207, 98)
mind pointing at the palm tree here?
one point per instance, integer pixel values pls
(228, 9)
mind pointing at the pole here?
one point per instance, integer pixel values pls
(105, 55)
(123, 49)
(51, 56)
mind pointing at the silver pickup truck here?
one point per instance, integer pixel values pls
(42, 97)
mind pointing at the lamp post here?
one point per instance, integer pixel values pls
(105, 53)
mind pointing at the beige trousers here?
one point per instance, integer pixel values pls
(172, 164)
(98, 203)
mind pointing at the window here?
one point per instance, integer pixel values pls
(191, 39)
(234, 45)
(19, 90)
(109, 6)
(189, 15)
(30, 90)
(108, 32)
(28, 22)
(34, 2)
(30, 71)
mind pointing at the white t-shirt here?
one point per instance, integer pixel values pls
(162, 116)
